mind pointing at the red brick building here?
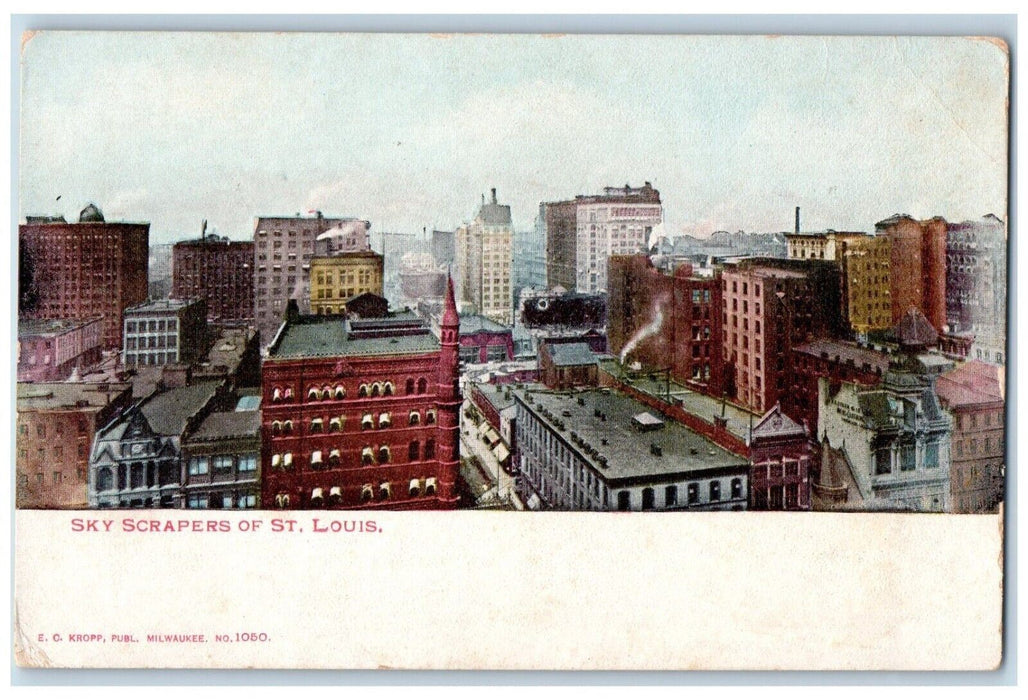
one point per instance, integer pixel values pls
(218, 270)
(484, 340)
(361, 413)
(780, 455)
(567, 365)
(769, 307)
(838, 361)
(86, 269)
(667, 321)
(917, 266)
(973, 394)
(56, 425)
(52, 349)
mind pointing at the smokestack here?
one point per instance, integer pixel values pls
(494, 195)
(797, 219)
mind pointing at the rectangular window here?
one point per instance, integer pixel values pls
(883, 461)
(907, 457)
(223, 463)
(931, 455)
(670, 496)
(198, 465)
(715, 490)
(248, 463)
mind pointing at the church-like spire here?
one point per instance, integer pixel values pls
(450, 317)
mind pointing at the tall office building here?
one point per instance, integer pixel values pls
(82, 270)
(283, 248)
(582, 233)
(218, 270)
(484, 247)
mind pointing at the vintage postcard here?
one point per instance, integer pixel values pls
(307, 323)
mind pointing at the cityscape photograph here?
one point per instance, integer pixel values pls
(512, 272)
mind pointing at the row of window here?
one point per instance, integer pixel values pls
(338, 392)
(336, 423)
(368, 492)
(369, 456)
(222, 464)
(151, 326)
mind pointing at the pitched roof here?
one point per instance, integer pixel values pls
(915, 330)
(973, 383)
(168, 411)
(774, 423)
(571, 354)
(229, 424)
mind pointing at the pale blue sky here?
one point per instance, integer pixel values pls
(409, 131)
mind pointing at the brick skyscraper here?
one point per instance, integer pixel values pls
(218, 270)
(361, 414)
(82, 270)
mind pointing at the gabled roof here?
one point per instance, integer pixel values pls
(774, 423)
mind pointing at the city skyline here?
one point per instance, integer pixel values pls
(409, 132)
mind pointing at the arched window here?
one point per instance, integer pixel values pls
(367, 492)
(316, 461)
(317, 425)
(384, 491)
(387, 389)
(415, 488)
(318, 497)
(376, 389)
(282, 500)
(430, 449)
(326, 392)
(334, 457)
(430, 486)
(430, 417)
(340, 392)
(367, 456)
(313, 394)
(335, 424)
(287, 427)
(415, 418)
(276, 427)
(383, 454)
(413, 451)
(367, 422)
(287, 460)
(287, 394)
(104, 480)
(384, 420)
(276, 395)
(422, 385)
(409, 387)
(335, 496)
(362, 391)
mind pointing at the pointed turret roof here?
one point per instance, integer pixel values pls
(450, 317)
(914, 330)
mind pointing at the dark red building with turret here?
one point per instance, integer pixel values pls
(361, 414)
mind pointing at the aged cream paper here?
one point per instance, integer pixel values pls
(486, 590)
(495, 590)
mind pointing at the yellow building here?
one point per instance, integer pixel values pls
(826, 245)
(338, 278)
(866, 283)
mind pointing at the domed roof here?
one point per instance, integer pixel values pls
(91, 213)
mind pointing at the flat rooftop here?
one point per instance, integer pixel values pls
(29, 327)
(161, 306)
(615, 435)
(738, 420)
(499, 396)
(329, 337)
(58, 395)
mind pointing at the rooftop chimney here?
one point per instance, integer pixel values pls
(797, 219)
(494, 195)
